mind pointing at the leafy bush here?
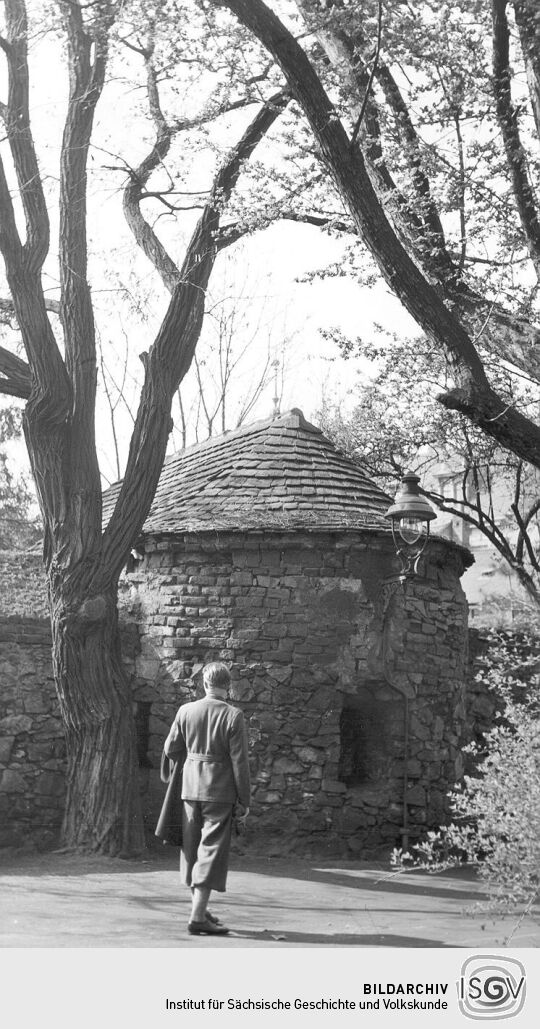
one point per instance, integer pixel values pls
(497, 810)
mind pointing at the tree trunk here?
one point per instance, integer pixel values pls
(529, 585)
(83, 563)
(473, 395)
(102, 811)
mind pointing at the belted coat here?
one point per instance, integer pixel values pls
(211, 735)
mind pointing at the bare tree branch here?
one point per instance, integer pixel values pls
(7, 307)
(369, 85)
(524, 538)
(461, 196)
(17, 120)
(528, 23)
(16, 380)
(431, 225)
(346, 54)
(418, 225)
(135, 190)
(523, 521)
(498, 540)
(50, 395)
(183, 432)
(508, 123)
(145, 236)
(505, 333)
(172, 352)
(473, 514)
(473, 395)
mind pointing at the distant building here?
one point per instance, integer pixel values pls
(494, 593)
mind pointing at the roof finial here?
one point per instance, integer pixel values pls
(276, 411)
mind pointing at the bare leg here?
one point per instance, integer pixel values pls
(200, 896)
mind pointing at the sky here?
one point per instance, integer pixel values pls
(283, 312)
(278, 313)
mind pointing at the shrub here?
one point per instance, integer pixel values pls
(496, 811)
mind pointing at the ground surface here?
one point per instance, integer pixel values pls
(60, 900)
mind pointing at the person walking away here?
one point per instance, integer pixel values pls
(211, 735)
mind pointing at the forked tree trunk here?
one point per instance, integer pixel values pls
(102, 811)
(83, 561)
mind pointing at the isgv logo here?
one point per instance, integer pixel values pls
(491, 987)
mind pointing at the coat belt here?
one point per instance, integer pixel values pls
(205, 757)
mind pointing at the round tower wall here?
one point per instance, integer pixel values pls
(352, 683)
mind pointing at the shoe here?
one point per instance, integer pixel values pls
(213, 919)
(207, 928)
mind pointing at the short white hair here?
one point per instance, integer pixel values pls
(216, 676)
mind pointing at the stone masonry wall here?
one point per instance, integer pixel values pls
(23, 589)
(32, 750)
(31, 740)
(318, 654)
(299, 618)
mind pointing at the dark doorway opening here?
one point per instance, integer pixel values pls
(365, 741)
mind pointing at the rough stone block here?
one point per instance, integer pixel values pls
(15, 724)
(12, 782)
(266, 720)
(282, 653)
(271, 797)
(37, 704)
(333, 786)
(310, 755)
(6, 746)
(51, 783)
(242, 691)
(323, 799)
(416, 795)
(286, 766)
(351, 820)
(280, 674)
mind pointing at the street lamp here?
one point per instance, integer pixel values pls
(410, 515)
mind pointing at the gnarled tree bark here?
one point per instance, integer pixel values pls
(416, 219)
(473, 395)
(83, 560)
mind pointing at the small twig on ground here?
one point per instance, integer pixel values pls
(523, 915)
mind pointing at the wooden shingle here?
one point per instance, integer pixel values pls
(283, 473)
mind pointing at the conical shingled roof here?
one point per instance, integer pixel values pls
(282, 473)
